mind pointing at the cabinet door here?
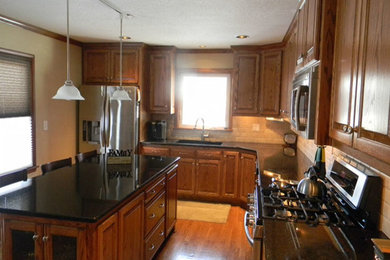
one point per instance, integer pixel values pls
(107, 236)
(373, 135)
(130, 64)
(153, 150)
(171, 201)
(131, 230)
(22, 240)
(230, 174)
(301, 34)
(344, 70)
(208, 177)
(161, 82)
(312, 11)
(247, 174)
(246, 84)
(288, 73)
(186, 176)
(96, 66)
(64, 243)
(271, 64)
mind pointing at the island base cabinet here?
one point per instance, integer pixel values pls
(131, 230)
(171, 209)
(28, 240)
(107, 238)
(155, 239)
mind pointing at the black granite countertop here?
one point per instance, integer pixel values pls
(83, 192)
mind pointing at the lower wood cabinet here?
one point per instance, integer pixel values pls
(211, 174)
(131, 217)
(135, 231)
(30, 240)
(107, 236)
(247, 175)
(171, 208)
(208, 175)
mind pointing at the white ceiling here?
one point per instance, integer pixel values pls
(182, 23)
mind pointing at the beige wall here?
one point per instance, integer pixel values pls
(244, 128)
(50, 73)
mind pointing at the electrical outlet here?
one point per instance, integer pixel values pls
(256, 127)
(45, 125)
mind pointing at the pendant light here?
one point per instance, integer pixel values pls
(121, 93)
(68, 91)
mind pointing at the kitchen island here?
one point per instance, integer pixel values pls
(92, 210)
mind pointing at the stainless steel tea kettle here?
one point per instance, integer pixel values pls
(311, 186)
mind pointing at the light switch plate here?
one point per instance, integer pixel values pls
(45, 125)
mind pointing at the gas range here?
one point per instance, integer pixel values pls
(339, 225)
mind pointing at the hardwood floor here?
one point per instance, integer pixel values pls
(197, 240)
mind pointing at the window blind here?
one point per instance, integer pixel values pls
(16, 117)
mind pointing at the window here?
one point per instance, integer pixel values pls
(204, 95)
(16, 114)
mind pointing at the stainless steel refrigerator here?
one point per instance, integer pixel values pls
(107, 123)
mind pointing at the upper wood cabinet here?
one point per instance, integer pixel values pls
(363, 121)
(257, 80)
(345, 70)
(161, 79)
(101, 64)
(308, 32)
(246, 83)
(288, 72)
(270, 76)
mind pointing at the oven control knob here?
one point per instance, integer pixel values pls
(251, 198)
(250, 220)
(251, 208)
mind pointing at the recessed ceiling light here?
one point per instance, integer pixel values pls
(242, 36)
(125, 37)
(202, 46)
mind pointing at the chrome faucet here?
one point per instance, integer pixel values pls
(202, 134)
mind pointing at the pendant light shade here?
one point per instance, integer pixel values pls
(68, 91)
(120, 93)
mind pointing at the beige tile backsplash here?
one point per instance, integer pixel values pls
(309, 148)
(244, 129)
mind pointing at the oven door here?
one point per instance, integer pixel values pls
(253, 228)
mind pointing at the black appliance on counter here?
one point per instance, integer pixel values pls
(157, 130)
(339, 225)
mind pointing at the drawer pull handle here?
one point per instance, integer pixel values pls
(151, 247)
(35, 237)
(45, 238)
(153, 191)
(162, 205)
(152, 216)
(161, 233)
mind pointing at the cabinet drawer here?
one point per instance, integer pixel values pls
(154, 212)
(154, 189)
(158, 151)
(209, 154)
(154, 240)
(183, 152)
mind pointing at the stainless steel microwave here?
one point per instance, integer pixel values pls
(304, 101)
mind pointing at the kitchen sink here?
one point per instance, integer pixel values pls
(198, 142)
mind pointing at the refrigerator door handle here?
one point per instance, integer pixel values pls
(108, 120)
(102, 120)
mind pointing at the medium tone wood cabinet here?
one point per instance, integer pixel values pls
(247, 175)
(288, 72)
(360, 93)
(246, 84)
(107, 236)
(101, 64)
(208, 177)
(212, 174)
(270, 76)
(26, 239)
(308, 32)
(171, 208)
(161, 79)
(131, 217)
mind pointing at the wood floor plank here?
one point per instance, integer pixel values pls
(197, 240)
